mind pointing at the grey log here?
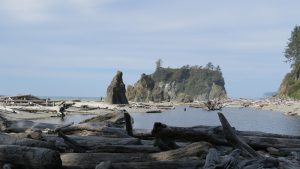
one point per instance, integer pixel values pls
(90, 160)
(29, 157)
(233, 139)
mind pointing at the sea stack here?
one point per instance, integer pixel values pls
(116, 91)
(185, 84)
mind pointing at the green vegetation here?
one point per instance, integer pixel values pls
(193, 80)
(290, 86)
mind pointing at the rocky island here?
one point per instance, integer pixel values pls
(185, 84)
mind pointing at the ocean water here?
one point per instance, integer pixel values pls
(246, 119)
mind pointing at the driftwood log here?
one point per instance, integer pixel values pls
(125, 149)
(212, 105)
(214, 136)
(96, 129)
(128, 124)
(187, 134)
(188, 164)
(29, 157)
(233, 139)
(90, 160)
(92, 142)
(73, 144)
(6, 139)
(104, 165)
(22, 126)
(212, 159)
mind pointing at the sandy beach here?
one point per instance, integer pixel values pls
(288, 109)
(83, 108)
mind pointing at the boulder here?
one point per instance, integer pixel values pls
(116, 92)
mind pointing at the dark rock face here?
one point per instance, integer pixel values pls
(116, 92)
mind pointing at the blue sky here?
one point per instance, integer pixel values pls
(74, 47)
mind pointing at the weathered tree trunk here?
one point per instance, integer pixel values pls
(59, 128)
(197, 149)
(22, 126)
(73, 144)
(128, 123)
(233, 139)
(219, 129)
(257, 163)
(232, 160)
(92, 142)
(187, 134)
(286, 164)
(165, 144)
(125, 149)
(212, 159)
(90, 160)
(214, 136)
(188, 164)
(6, 139)
(96, 128)
(32, 134)
(104, 165)
(29, 158)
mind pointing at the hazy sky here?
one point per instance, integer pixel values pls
(74, 47)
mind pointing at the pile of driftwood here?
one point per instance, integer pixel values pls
(213, 105)
(109, 142)
(32, 104)
(210, 105)
(25, 100)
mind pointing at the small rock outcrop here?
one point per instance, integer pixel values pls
(116, 91)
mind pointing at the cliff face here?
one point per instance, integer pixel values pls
(185, 85)
(290, 86)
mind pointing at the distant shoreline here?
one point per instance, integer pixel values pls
(68, 98)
